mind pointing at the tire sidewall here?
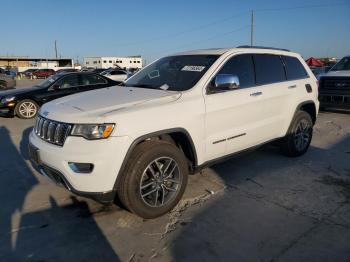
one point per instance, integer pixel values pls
(136, 203)
(293, 151)
(19, 104)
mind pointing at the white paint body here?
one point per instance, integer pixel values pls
(138, 111)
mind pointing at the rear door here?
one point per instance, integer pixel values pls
(271, 77)
(233, 118)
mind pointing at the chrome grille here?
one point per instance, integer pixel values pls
(52, 131)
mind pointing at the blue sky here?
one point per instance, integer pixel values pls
(156, 28)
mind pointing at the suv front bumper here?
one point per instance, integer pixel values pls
(106, 156)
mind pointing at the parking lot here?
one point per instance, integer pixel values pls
(260, 206)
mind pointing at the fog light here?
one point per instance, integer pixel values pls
(81, 167)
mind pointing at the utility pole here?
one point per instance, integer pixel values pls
(252, 29)
(56, 48)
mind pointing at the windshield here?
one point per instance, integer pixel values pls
(49, 81)
(342, 65)
(173, 73)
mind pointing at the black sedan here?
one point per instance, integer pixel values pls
(25, 102)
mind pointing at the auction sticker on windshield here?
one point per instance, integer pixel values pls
(193, 68)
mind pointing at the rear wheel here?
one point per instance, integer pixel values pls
(26, 109)
(154, 180)
(298, 138)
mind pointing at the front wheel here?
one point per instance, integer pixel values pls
(298, 138)
(154, 180)
(26, 109)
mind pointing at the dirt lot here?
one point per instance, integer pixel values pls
(259, 207)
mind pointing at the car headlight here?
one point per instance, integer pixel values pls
(92, 131)
(7, 99)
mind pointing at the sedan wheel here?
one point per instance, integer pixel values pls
(26, 109)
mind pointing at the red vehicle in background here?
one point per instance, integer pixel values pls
(44, 73)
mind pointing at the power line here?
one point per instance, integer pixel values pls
(193, 29)
(207, 39)
(301, 7)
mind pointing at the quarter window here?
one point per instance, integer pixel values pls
(269, 69)
(294, 69)
(243, 67)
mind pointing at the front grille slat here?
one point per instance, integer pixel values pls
(52, 131)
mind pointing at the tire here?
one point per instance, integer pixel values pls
(136, 183)
(299, 135)
(26, 109)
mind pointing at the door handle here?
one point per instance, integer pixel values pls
(292, 86)
(256, 94)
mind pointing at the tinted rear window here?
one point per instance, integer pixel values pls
(269, 69)
(294, 69)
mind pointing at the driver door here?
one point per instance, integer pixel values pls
(233, 117)
(65, 86)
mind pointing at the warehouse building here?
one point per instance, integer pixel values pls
(23, 63)
(113, 61)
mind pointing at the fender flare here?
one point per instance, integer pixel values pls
(153, 134)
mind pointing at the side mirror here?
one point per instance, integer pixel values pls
(225, 82)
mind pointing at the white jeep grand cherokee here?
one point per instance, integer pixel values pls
(138, 142)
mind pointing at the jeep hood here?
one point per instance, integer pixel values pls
(95, 105)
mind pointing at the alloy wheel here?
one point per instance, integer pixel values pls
(27, 109)
(160, 182)
(302, 135)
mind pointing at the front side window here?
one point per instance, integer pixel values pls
(342, 65)
(48, 81)
(92, 79)
(294, 69)
(68, 82)
(268, 69)
(243, 67)
(173, 73)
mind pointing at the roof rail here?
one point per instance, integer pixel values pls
(263, 47)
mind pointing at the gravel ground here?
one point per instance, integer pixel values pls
(261, 206)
